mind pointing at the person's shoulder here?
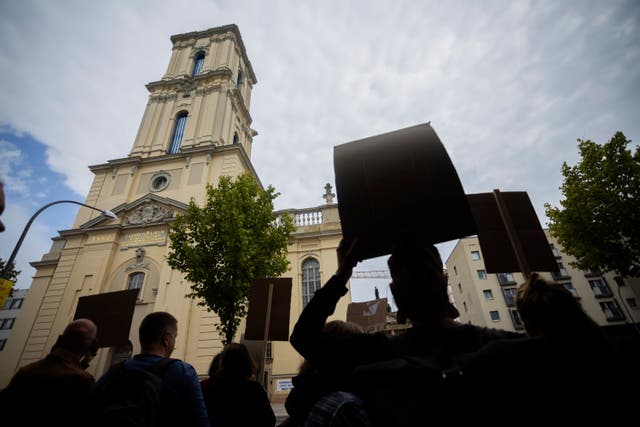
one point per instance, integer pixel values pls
(179, 365)
(488, 334)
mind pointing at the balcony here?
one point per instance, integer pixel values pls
(506, 279)
(592, 273)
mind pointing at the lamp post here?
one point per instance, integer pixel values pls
(12, 258)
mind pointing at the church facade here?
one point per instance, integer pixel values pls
(195, 128)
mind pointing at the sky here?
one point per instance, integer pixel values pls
(508, 86)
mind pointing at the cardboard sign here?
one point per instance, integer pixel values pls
(497, 250)
(111, 312)
(371, 315)
(280, 309)
(400, 183)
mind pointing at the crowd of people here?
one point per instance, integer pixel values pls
(348, 377)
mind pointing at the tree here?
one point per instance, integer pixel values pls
(12, 273)
(226, 244)
(599, 223)
(7, 280)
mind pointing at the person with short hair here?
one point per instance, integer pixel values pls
(419, 288)
(54, 390)
(182, 400)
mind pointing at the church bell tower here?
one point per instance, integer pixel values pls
(196, 127)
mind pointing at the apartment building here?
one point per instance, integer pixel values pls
(8, 314)
(489, 299)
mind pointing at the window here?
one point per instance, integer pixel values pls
(568, 286)
(16, 304)
(487, 294)
(509, 296)
(240, 77)
(600, 288)
(482, 275)
(7, 323)
(178, 132)
(631, 302)
(612, 311)
(495, 316)
(159, 181)
(506, 279)
(593, 272)
(3, 341)
(310, 279)
(455, 270)
(135, 282)
(475, 255)
(460, 287)
(464, 304)
(515, 318)
(561, 274)
(554, 250)
(198, 62)
(235, 138)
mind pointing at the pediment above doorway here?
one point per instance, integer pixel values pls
(147, 210)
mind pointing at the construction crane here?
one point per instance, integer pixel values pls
(371, 274)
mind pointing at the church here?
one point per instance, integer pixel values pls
(195, 128)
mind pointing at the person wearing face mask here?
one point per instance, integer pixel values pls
(54, 389)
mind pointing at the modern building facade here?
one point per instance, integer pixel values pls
(489, 299)
(8, 314)
(195, 128)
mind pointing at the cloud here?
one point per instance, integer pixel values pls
(508, 86)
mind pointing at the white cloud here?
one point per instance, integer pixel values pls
(508, 86)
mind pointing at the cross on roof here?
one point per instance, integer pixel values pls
(328, 195)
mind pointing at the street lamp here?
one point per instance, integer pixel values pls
(12, 258)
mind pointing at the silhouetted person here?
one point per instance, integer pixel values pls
(214, 367)
(181, 401)
(2, 202)
(310, 386)
(233, 398)
(577, 359)
(419, 288)
(53, 390)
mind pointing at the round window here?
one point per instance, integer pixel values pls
(159, 181)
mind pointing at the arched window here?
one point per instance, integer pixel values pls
(310, 279)
(198, 62)
(135, 282)
(240, 77)
(235, 138)
(178, 132)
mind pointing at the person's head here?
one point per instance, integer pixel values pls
(79, 338)
(334, 328)
(549, 309)
(1, 204)
(419, 285)
(214, 367)
(340, 327)
(158, 332)
(236, 362)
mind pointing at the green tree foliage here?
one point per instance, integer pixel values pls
(226, 244)
(599, 222)
(12, 273)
